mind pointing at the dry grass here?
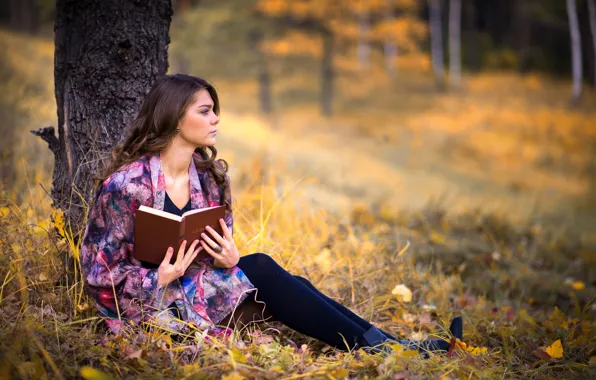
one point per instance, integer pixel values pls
(520, 287)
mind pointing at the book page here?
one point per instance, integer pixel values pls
(198, 210)
(161, 213)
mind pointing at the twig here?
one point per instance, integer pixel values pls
(47, 134)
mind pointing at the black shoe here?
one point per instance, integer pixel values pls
(375, 341)
(436, 345)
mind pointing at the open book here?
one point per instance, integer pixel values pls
(156, 230)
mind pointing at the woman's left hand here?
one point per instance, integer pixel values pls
(229, 256)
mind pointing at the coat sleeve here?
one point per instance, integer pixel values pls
(106, 256)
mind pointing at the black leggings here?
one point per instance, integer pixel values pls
(295, 302)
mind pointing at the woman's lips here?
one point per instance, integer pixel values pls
(213, 132)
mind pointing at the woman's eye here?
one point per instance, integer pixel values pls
(205, 112)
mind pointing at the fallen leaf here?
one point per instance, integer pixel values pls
(555, 350)
(402, 292)
(90, 373)
(437, 238)
(233, 376)
(134, 355)
(541, 354)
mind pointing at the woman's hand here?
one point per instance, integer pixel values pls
(223, 249)
(167, 272)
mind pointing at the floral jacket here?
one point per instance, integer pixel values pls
(121, 287)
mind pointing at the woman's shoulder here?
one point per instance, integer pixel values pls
(129, 177)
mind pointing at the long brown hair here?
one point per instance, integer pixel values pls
(162, 109)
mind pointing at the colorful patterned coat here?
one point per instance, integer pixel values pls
(203, 296)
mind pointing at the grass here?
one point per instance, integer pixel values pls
(521, 287)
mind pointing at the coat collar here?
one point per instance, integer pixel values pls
(198, 195)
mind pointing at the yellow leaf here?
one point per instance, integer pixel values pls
(555, 350)
(233, 376)
(524, 316)
(461, 345)
(237, 357)
(4, 211)
(58, 218)
(402, 292)
(477, 350)
(90, 373)
(16, 248)
(437, 238)
(578, 285)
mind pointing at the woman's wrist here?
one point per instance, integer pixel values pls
(217, 264)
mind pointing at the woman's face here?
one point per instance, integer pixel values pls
(199, 124)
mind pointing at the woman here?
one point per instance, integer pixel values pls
(168, 162)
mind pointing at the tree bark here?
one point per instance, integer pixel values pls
(576, 51)
(327, 74)
(436, 42)
(108, 53)
(455, 43)
(592, 14)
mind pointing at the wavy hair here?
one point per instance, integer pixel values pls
(162, 109)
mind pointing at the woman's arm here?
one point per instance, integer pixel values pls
(106, 256)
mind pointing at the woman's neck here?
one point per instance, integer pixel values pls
(175, 159)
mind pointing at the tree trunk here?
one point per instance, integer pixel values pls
(108, 53)
(522, 35)
(472, 56)
(455, 43)
(436, 42)
(327, 74)
(364, 39)
(263, 76)
(592, 13)
(390, 46)
(576, 52)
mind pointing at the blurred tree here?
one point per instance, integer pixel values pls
(455, 42)
(23, 15)
(436, 42)
(398, 25)
(592, 15)
(576, 52)
(364, 36)
(108, 53)
(238, 28)
(389, 44)
(321, 17)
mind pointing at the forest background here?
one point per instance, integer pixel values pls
(414, 159)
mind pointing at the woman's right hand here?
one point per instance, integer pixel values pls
(167, 272)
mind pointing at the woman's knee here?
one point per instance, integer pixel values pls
(260, 258)
(257, 260)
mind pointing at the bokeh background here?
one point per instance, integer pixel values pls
(345, 92)
(414, 159)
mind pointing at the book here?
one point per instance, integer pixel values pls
(156, 230)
